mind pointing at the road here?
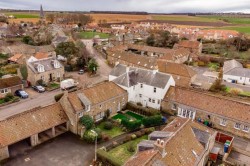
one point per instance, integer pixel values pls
(27, 104)
(104, 68)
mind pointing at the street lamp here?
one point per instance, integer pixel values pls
(95, 143)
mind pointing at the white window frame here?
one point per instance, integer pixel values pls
(244, 128)
(100, 106)
(141, 85)
(174, 106)
(223, 122)
(155, 89)
(237, 126)
(153, 101)
(88, 108)
(4, 91)
(140, 95)
(149, 99)
(80, 114)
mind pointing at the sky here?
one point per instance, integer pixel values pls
(155, 6)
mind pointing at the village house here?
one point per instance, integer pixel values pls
(183, 142)
(131, 59)
(220, 112)
(16, 59)
(47, 69)
(217, 34)
(93, 101)
(234, 72)
(193, 46)
(143, 86)
(183, 75)
(147, 50)
(41, 124)
(176, 56)
(10, 85)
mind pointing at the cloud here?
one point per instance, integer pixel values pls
(158, 6)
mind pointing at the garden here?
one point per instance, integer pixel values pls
(90, 35)
(9, 98)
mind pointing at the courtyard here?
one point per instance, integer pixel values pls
(64, 150)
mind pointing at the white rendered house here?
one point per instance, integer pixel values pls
(143, 86)
(234, 72)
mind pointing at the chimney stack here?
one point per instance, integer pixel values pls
(160, 146)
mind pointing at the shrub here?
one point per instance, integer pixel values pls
(105, 137)
(108, 125)
(9, 95)
(105, 157)
(149, 130)
(58, 97)
(235, 91)
(152, 121)
(141, 110)
(87, 121)
(89, 136)
(131, 125)
(133, 136)
(131, 148)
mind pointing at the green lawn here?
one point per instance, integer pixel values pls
(90, 35)
(4, 56)
(2, 101)
(120, 116)
(134, 115)
(121, 153)
(128, 115)
(115, 131)
(23, 15)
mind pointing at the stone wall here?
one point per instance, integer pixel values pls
(4, 153)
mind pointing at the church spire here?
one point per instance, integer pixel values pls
(41, 12)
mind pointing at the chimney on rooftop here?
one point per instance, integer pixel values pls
(160, 146)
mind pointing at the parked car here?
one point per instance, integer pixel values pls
(39, 88)
(81, 72)
(21, 93)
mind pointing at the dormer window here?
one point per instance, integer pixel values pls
(40, 68)
(56, 64)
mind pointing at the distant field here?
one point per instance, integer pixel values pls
(232, 20)
(24, 15)
(183, 18)
(90, 35)
(119, 17)
(242, 29)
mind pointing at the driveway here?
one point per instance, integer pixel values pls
(205, 77)
(36, 100)
(104, 68)
(65, 150)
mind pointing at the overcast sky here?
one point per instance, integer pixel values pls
(160, 6)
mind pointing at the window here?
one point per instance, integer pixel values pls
(88, 108)
(99, 116)
(58, 75)
(40, 68)
(80, 114)
(141, 85)
(154, 90)
(4, 90)
(159, 101)
(42, 78)
(245, 128)
(149, 99)
(223, 122)
(237, 125)
(140, 95)
(174, 107)
(153, 101)
(100, 106)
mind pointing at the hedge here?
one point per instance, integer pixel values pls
(152, 121)
(106, 158)
(141, 110)
(131, 125)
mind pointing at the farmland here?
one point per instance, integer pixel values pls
(182, 18)
(23, 15)
(233, 20)
(241, 29)
(119, 17)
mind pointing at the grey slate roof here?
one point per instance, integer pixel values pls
(47, 63)
(118, 70)
(242, 72)
(231, 64)
(160, 135)
(138, 75)
(201, 136)
(146, 143)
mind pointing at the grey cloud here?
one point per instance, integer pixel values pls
(166, 6)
